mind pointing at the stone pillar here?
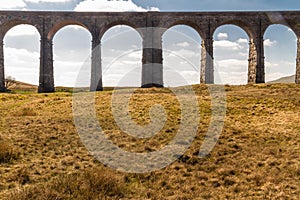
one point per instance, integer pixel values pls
(152, 69)
(2, 75)
(96, 72)
(46, 82)
(256, 62)
(207, 61)
(260, 69)
(297, 78)
(252, 62)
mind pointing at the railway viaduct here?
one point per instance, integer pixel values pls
(151, 26)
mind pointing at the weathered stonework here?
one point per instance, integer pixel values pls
(298, 63)
(46, 80)
(150, 26)
(207, 62)
(96, 71)
(252, 62)
(2, 78)
(152, 69)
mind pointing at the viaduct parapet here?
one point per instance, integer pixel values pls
(151, 26)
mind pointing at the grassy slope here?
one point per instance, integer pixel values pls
(288, 79)
(257, 155)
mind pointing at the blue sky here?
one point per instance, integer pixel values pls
(122, 45)
(213, 5)
(180, 5)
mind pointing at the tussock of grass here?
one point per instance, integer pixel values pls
(7, 151)
(89, 184)
(22, 176)
(25, 111)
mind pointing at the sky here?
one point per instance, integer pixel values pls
(121, 45)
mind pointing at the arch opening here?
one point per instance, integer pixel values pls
(181, 45)
(21, 54)
(280, 47)
(189, 25)
(231, 52)
(71, 50)
(15, 23)
(126, 25)
(63, 25)
(239, 24)
(121, 57)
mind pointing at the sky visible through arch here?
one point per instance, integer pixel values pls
(72, 44)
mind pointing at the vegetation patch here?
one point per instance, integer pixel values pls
(7, 151)
(256, 156)
(94, 183)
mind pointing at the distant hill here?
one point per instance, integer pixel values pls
(30, 87)
(23, 86)
(287, 79)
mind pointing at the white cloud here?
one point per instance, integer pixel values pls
(269, 64)
(269, 43)
(231, 61)
(12, 4)
(47, 1)
(222, 36)
(183, 44)
(243, 54)
(182, 53)
(66, 72)
(231, 64)
(22, 64)
(112, 5)
(22, 30)
(192, 77)
(227, 44)
(136, 55)
(23, 56)
(123, 72)
(242, 41)
(233, 78)
(22, 4)
(173, 77)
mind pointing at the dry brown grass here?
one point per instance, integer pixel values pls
(7, 151)
(256, 157)
(89, 184)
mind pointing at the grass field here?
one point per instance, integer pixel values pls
(256, 157)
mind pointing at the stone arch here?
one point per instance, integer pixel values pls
(206, 74)
(63, 24)
(235, 60)
(281, 24)
(5, 27)
(244, 26)
(127, 60)
(278, 18)
(189, 65)
(26, 59)
(186, 23)
(108, 26)
(75, 41)
(288, 60)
